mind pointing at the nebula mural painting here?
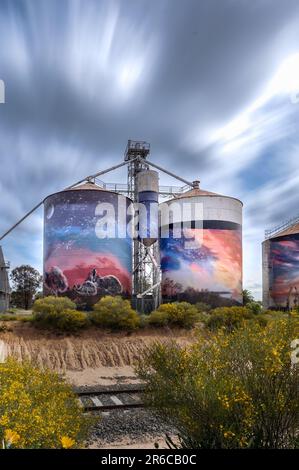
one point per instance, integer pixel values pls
(213, 264)
(284, 271)
(78, 263)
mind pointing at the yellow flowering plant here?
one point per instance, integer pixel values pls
(228, 390)
(38, 409)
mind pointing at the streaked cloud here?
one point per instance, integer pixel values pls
(207, 83)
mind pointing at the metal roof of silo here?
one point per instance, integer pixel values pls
(197, 191)
(87, 186)
(289, 231)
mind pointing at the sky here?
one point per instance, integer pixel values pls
(211, 84)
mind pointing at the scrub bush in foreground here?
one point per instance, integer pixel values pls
(230, 390)
(38, 409)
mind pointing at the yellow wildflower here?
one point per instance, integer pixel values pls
(228, 434)
(11, 437)
(67, 442)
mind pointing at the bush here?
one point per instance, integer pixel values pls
(228, 318)
(143, 321)
(13, 317)
(180, 314)
(53, 304)
(8, 317)
(58, 313)
(38, 409)
(159, 317)
(254, 307)
(203, 307)
(115, 313)
(237, 390)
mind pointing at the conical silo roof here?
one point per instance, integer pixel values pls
(196, 191)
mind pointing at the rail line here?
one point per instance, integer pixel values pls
(111, 399)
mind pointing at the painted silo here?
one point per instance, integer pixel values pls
(281, 268)
(87, 251)
(201, 248)
(148, 197)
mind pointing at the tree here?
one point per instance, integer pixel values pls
(247, 297)
(26, 281)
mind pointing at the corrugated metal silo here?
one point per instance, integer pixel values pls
(281, 268)
(202, 260)
(87, 251)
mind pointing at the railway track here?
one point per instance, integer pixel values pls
(112, 399)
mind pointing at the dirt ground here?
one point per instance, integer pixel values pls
(91, 357)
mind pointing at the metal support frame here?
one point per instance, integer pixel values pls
(146, 260)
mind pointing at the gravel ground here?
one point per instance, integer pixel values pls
(99, 388)
(133, 426)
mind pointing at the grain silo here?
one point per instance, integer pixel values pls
(87, 250)
(201, 248)
(281, 266)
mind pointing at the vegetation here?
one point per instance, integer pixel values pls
(247, 297)
(228, 318)
(26, 281)
(58, 313)
(255, 307)
(115, 313)
(37, 409)
(203, 307)
(180, 314)
(15, 317)
(232, 390)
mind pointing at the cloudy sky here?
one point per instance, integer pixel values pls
(211, 84)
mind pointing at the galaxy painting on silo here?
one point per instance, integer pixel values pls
(77, 263)
(213, 265)
(284, 271)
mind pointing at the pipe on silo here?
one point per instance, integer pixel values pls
(148, 206)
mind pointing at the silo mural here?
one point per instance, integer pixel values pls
(77, 262)
(210, 269)
(283, 271)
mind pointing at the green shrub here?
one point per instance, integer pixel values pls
(38, 409)
(180, 314)
(8, 317)
(203, 307)
(115, 313)
(143, 321)
(158, 318)
(254, 307)
(13, 317)
(58, 313)
(71, 320)
(228, 318)
(237, 390)
(52, 304)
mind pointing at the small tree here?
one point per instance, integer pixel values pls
(26, 281)
(247, 297)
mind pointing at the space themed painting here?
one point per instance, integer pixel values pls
(77, 263)
(213, 264)
(284, 273)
